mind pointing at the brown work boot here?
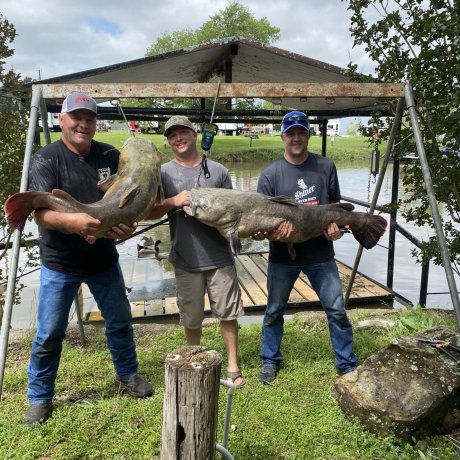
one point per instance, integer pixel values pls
(38, 413)
(136, 386)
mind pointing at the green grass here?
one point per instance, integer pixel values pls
(296, 418)
(238, 148)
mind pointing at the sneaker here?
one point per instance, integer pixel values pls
(347, 370)
(267, 374)
(136, 386)
(38, 413)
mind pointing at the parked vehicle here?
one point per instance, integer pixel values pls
(53, 122)
(450, 147)
(133, 126)
(102, 126)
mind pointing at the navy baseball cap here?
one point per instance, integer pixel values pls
(294, 118)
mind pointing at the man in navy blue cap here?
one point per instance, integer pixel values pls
(311, 180)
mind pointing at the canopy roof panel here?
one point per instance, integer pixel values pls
(233, 60)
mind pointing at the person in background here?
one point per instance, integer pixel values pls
(311, 180)
(70, 255)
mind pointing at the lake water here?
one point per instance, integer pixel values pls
(355, 181)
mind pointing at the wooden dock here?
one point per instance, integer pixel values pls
(155, 300)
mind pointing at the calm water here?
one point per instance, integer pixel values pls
(355, 181)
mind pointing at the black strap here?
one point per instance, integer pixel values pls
(204, 166)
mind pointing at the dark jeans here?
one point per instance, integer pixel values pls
(325, 280)
(56, 294)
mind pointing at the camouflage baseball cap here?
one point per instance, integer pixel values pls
(178, 120)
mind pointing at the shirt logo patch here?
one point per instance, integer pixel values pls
(104, 173)
(303, 195)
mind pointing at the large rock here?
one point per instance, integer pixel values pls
(410, 389)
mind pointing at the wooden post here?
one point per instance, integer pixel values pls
(192, 379)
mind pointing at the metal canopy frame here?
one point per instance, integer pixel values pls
(227, 90)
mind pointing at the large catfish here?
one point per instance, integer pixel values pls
(238, 214)
(129, 194)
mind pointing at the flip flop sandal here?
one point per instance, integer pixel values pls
(232, 376)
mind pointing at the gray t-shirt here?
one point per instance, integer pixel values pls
(195, 246)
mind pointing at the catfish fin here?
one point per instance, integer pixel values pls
(128, 195)
(235, 243)
(58, 193)
(283, 200)
(64, 202)
(160, 195)
(342, 206)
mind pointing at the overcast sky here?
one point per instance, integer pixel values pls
(56, 37)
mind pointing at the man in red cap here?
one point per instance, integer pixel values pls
(70, 255)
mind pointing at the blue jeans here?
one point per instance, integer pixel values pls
(56, 294)
(325, 280)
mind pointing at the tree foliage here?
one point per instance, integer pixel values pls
(234, 20)
(14, 106)
(418, 41)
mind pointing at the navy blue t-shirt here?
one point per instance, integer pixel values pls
(311, 183)
(55, 166)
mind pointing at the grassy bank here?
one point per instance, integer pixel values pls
(240, 148)
(296, 418)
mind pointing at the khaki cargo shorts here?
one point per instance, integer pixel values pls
(221, 285)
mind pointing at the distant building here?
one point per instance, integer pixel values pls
(52, 120)
(333, 127)
(230, 129)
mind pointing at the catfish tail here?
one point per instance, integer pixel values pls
(18, 206)
(369, 235)
(17, 209)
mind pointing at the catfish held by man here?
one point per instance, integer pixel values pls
(129, 194)
(238, 214)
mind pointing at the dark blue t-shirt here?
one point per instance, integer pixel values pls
(311, 183)
(55, 166)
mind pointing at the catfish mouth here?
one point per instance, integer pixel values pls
(189, 210)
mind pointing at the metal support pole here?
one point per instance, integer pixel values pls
(433, 203)
(44, 118)
(394, 129)
(228, 79)
(9, 296)
(392, 231)
(424, 283)
(324, 138)
(222, 448)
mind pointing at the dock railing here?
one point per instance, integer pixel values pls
(395, 227)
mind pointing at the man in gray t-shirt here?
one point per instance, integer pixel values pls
(202, 258)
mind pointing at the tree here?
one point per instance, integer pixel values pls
(354, 128)
(14, 122)
(234, 20)
(418, 41)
